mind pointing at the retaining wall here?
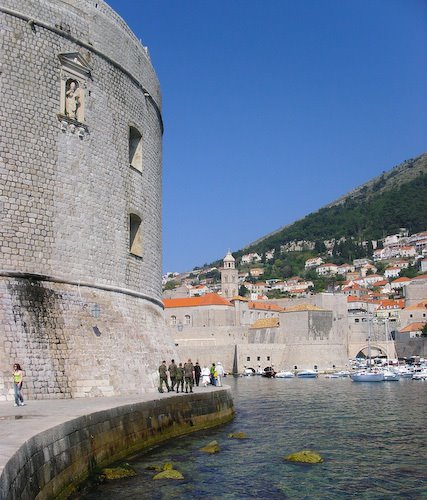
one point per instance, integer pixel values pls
(51, 464)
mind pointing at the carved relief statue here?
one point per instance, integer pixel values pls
(74, 100)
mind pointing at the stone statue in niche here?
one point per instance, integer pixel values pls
(74, 97)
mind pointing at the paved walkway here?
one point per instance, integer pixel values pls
(18, 424)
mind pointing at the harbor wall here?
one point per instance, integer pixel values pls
(53, 463)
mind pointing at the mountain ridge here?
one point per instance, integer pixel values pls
(399, 175)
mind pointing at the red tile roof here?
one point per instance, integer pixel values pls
(413, 327)
(210, 299)
(265, 307)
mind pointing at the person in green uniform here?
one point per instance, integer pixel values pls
(172, 373)
(163, 376)
(179, 378)
(189, 375)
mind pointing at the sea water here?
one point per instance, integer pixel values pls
(372, 437)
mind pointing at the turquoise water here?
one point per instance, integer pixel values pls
(373, 438)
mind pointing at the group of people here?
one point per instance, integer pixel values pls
(189, 375)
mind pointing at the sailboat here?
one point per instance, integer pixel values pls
(389, 375)
(368, 375)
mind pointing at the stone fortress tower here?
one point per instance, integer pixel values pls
(229, 277)
(80, 203)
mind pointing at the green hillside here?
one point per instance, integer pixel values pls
(397, 198)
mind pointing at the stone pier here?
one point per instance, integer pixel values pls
(48, 447)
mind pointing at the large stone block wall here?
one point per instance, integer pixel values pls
(66, 199)
(284, 347)
(79, 341)
(78, 310)
(54, 462)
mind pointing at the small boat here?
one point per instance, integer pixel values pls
(405, 372)
(268, 372)
(367, 376)
(343, 373)
(421, 375)
(390, 376)
(307, 374)
(332, 375)
(249, 372)
(285, 374)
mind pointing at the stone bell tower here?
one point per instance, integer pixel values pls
(229, 277)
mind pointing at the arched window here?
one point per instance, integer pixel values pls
(173, 320)
(135, 236)
(187, 319)
(135, 149)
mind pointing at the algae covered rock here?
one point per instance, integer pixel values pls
(119, 472)
(237, 435)
(305, 457)
(169, 474)
(167, 466)
(212, 447)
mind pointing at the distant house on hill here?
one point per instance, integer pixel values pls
(250, 258)
(392, 272)
(345, 268)
(399, 283)
(326, 269)
(197, 290)
(256, 271)
(313, 262)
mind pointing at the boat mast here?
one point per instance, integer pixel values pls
(369, 336)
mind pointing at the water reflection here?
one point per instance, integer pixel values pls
(372, 437)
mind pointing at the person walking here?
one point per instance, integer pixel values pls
(219, 374)
(18, 376)
(189, 375)
(206, 376)
(172, 373)
(179, 378)
(213, 374)
(163, 376)
(197, 372)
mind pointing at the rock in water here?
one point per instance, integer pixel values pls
(237, 435)
(169, 474)
(212, 447)
(305, 457)
(118, 472)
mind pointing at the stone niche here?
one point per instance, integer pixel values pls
(75, 73)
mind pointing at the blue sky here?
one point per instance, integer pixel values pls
(274, 108)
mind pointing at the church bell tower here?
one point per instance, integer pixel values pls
(229, 277)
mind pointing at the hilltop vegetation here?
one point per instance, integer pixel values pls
(393, 200)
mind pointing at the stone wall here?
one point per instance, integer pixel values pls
(54, 462)
(79, 341)
(80, 310)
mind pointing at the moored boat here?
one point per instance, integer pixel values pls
(390, 375)
(307, 374)
(367, 376)
(268, 372)
(421, 375)
(285, 374)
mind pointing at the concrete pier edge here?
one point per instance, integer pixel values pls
(53, 462)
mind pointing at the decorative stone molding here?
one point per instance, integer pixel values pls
(75, 72)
